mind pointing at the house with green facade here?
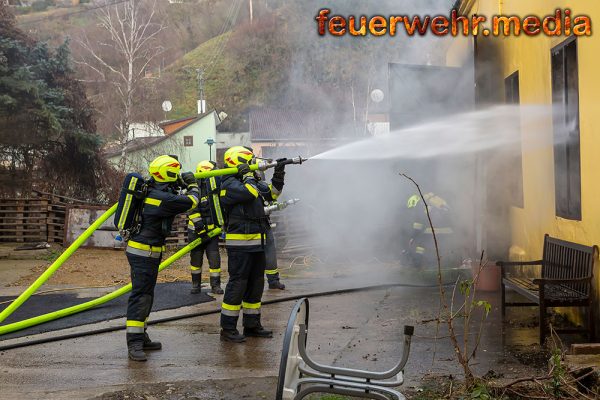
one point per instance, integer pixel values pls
(188, 141)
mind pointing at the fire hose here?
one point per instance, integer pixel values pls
(212, 312)
(15, 326)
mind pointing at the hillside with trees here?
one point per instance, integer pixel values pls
(127, 58)
(48, 138)
(274, 59)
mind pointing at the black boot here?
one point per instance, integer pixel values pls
(276, 284)
(196, 283)
(232, 335)
(258, 331)
(215, 285)
(149, 344)
(136, 351)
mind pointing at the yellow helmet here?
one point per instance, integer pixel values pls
(205, 165)
(413, 201)
(436, 201)
(237, 155)
(164, 169)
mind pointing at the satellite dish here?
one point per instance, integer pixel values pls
(377, 95)
(167, 106)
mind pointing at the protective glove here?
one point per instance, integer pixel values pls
(189, 180)
(204, 236)
(199, 225)
(280, 167)
(243, 169)
(277, 183)
(279, 175)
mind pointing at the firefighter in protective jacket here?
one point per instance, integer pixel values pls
(271, 269)
(207, 216)
(145, 247)
(242, 198)
(421, 246)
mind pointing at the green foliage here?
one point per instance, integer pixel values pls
(558, 373)
(465, 287)
(244, 68)
(21, 10)
(46, 122)
(276, 61)
(480, 392)
(485, 304)
(39, 5)
(52, 255)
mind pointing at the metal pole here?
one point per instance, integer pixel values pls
(251, 12)
(199, 77)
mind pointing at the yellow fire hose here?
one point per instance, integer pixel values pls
(17, 326)
(77, 243)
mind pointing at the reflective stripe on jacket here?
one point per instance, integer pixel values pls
(209, 210)
(160, 208)
(243, 205)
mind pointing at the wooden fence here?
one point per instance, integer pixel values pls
(39, 217)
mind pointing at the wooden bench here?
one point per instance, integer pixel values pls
(565, 280)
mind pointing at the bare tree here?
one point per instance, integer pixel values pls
(123, 57)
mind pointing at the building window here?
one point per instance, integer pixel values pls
(188, 141)
(511, 94)
(565, 98)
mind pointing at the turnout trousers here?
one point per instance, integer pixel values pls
(211, 248)
(244, 289)
(144, 271)
(271, 269)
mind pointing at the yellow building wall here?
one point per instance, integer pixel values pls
(531, 57)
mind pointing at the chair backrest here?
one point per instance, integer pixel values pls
(567, 260)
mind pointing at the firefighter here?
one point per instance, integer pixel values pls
(146, 246)
(271, 270)
(205, 217)
(242, 198)
(421, 245)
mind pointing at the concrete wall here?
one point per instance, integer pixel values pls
(79, 218)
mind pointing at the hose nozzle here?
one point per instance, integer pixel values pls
(280, 206)
(297, 160)
(264, 165)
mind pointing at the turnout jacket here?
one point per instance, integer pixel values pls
(161, 205)
(208, 214)
(243, 205)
